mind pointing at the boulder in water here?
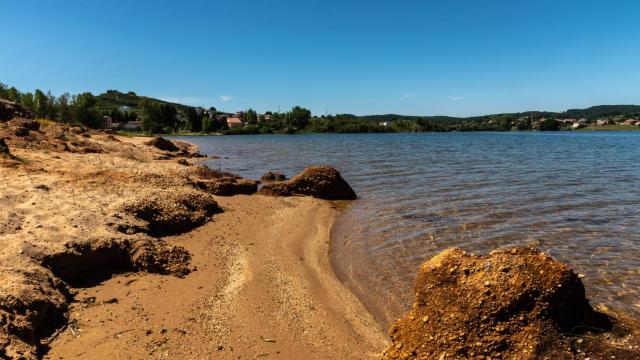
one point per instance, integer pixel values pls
(322, 182)
(516, 303)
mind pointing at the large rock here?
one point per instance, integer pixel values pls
(9, 110)
(516, 303)
(162, 144)
(323, 182)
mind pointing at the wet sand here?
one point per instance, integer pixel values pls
(263, 288)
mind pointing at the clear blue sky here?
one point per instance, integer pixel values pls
(411, 57)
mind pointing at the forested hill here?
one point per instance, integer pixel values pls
(115, 100)
(603, 111)
(591, 113)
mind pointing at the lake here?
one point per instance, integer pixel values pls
(574, 195)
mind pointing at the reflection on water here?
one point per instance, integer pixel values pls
(574, 195)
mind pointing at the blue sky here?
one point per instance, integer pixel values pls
(364, 57)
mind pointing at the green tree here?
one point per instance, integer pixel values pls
(26, 100)
(4, 91)
(84, 110)
(13, 94)
(158, 117)
(250, 117)
(63, 108)
(550, 125)
(299, 117)
(40, 103)
(194, 120)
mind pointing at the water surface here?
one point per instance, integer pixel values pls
(574, 195)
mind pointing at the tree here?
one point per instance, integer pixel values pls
(84, 110)
(4, 91)
(158, 117)
(299, 117)
(250, 117)
(194, 120)
(13, 94)
(40, 103)
(63, 108)
(550, 125)
(208, 125)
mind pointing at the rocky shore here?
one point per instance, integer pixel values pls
(118, 247)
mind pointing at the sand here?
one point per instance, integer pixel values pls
(263, 288)
(260, 281)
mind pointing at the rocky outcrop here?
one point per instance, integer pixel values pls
(322, 182)
(272, 176)
(10, 110)
(162, 144)
(516, 303)
(173, 212)
(227, 186)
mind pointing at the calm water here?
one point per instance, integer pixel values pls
(575, 195)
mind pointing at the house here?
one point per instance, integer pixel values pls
(234, 122)
(132, 126)
(631, 122)
(384, 123)
(577, 125)
(603, 122)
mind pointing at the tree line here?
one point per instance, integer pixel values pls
(66, 108)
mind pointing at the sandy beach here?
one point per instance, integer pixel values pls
(256, 281)
(263, 288)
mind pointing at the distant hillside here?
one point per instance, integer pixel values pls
(593, 112)
(113, 99)
(603, 111)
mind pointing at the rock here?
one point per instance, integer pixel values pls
(10, 110)
(228, 186)
(525, 314)
(173, 212)
(183, 162)
(162, 144)
(323, 182)
(272, 176)
(22, 127)
(4, 150)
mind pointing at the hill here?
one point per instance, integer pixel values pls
(113, 99)
(603, 111)
(591, 113)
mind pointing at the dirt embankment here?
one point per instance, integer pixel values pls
(77, 207)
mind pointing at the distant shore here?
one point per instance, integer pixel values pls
(591, 128)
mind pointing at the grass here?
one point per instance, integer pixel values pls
(45, 122)
(619, 127)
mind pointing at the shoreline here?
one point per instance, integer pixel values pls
(278, 295)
